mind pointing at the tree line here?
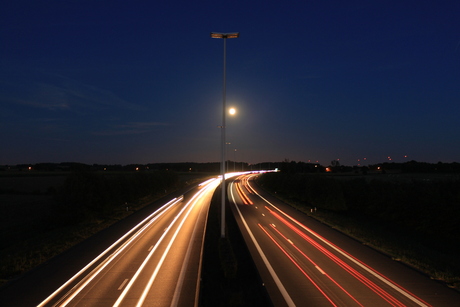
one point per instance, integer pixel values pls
(428, 206)
(88, 195)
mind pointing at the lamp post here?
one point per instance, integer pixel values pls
(224, 36)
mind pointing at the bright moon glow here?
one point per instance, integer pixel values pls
(232, 111)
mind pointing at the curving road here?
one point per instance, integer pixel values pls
(305, 263)
(156, 263)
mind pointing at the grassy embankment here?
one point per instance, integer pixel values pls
(44, 214)
(413, 219)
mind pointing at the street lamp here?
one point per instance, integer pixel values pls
(224, 36)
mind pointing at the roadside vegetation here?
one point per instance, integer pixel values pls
(413, 219)
(46, 214)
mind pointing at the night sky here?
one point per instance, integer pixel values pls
(123, 82)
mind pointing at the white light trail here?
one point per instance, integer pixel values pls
(163, 257)
(141, 268)
(155, 215)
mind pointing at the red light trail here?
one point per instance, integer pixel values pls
(367, 282)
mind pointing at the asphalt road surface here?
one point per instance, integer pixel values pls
(156, 262)
(155, 259)
(305, 263)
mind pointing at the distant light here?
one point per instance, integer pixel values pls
(232, 111)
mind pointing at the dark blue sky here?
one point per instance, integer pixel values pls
(141, 81)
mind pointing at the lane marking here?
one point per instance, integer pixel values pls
(356, 261)
(272, 272)
(123, 284)
(299, 267)
(191, 204)
(319, 269)
(139, 270)
(316, 266)
(91, 275)
(181, 278)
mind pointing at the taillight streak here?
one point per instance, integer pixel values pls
(242, 195)
(269, 267)
(371, 285)
(247, 186)
(298, 266)
(372, 271)
(316, 266)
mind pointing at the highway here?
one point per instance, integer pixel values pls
(156, 263)
(305, 263)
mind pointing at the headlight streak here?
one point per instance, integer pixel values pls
(270, 269)
(181, 278)
(207, 182)
(356, 261)
(152, 278)
(77, 288)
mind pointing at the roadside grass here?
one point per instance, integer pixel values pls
(390, 239)
(33, 229)
(46, 237)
